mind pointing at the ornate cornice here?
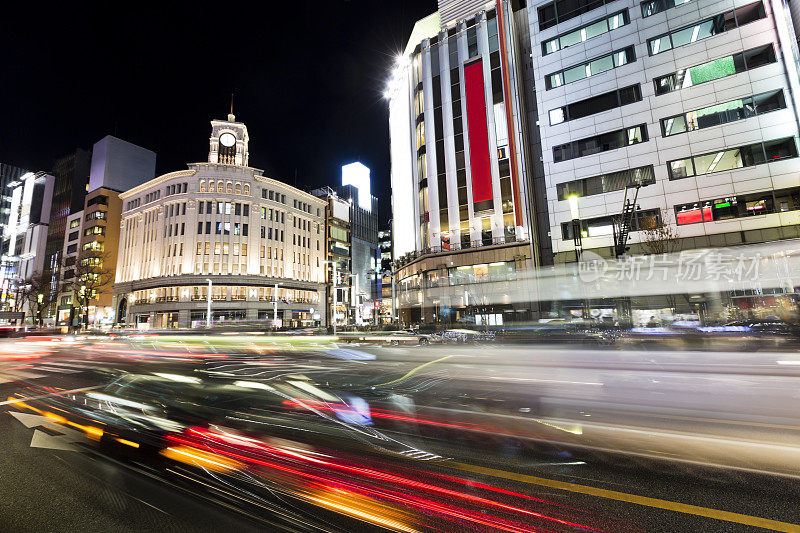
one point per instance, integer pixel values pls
(156, 181)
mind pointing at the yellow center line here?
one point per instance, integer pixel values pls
(633, 498)
(413, 370)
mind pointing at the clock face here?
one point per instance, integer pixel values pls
(227, 139)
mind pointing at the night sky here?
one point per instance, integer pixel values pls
(308, 79)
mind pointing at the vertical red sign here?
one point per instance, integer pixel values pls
(478, 134)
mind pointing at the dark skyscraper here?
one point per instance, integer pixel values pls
(69, 191)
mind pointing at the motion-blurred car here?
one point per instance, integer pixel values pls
(395, 338)
(464, 336)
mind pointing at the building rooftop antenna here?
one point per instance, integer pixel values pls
(231, 116)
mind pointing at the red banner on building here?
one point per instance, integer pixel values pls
(478, 135)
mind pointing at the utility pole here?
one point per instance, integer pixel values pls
(333, 313)
(208, 310)
(275, 307)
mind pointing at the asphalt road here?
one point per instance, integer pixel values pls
(52, 482)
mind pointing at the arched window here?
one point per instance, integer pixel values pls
(220, 187)
(238, 189)
(246, 189)
(202, 186)
(230, 188)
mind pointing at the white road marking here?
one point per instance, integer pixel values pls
(58, 393)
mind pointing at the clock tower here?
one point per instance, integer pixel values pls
(228, 142)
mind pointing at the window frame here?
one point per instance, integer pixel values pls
(630, 57)
(625, 17)
(744, 148)
(719, 24)
(753, 113)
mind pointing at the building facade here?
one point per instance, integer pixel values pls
(69, 193)
(463, 172)
(91, 228)
(254, 242)
(385, 284)
(687, 111)
(353, 243)
(689, 107)
(65, 305)
(26, 233)
(339, 307)
(25, 237)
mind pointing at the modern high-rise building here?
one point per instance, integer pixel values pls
(686, 109)
(464, 172)
(69, 192)
(338, 258)
(220, 228)
(114, 166)
(9, 174)
(386, 288)
(691, 104)
(25, 235)
(356, 269)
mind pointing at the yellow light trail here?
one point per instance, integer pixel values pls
(414, 370)
(706, 512)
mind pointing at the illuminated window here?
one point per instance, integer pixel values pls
(585, 32)
(715, 69)
(590, 68)
(732, 158)
(723, 113)
(657, 6)
(707, 28)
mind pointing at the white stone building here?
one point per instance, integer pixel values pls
(225, 222)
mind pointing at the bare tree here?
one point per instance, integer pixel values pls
(92, 277)
(42, 298)
(659, 236)
(34, 296)
(22, 295)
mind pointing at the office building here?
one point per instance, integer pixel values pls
(362, 233)
(9, 174)
(255, 244)
(25, 235)
(693, 102)
(91, 227)
(464, 170)
(385, 282)
(339, 307)
(69, 192)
